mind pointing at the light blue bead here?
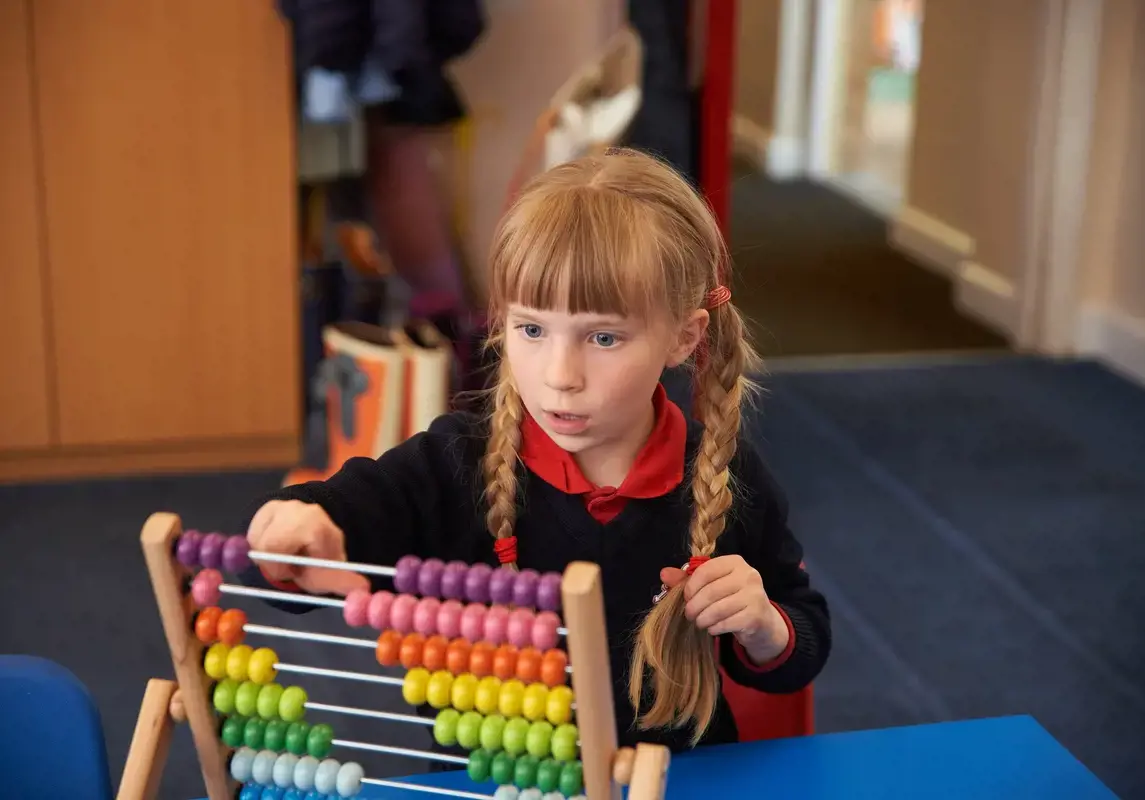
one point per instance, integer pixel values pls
(284, 770)
(304, 772)
(250, 791)
(507, 792)
(532, 793)
(349, 781)
(294, 794)
(271, 793)
(326, 776)
(241, 763)
(262, 770)
(315, 796)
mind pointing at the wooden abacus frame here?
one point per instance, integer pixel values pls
(187, 698)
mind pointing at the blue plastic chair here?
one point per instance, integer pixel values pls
(51, 736)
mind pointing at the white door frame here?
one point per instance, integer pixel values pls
(828, 72)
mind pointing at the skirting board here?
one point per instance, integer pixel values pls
(781, 158)
(987, 296)
(936, 245)
(1114, 338)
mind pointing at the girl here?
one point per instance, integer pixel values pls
(605, 271)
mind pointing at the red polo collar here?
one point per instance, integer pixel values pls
(658, 469)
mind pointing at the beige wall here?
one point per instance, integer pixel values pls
(757, 47)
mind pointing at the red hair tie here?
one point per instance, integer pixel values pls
(718, 296)
(506, 549)
(694, 563)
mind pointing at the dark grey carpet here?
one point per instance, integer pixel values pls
(978, 529)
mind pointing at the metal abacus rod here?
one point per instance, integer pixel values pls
(605, 766)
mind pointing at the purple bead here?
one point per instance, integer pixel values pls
(187, 549)
(405, 581)
(235, 557)
(549, 592)
(501, 586)
(453, 580)
(477, 583)
(429, 577)
(211, 550)
(525, 588)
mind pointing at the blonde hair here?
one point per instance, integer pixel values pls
(622, 233)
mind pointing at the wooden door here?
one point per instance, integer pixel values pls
(168, 164)
(25, 408)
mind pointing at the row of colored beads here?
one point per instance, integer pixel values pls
(407, 613)
(254, 791)
(240, 663)
(288, 771)
(480, 659)
(278, 735)
(526, 772)
(478, 583)
(213, 624)
(515, 736)
(488, 695)
(268, 700)
(212, 551)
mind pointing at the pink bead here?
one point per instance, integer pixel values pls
(473, 622)
(449, 619)
(425, 616)
(545, 635)
(205, 588)
(496, 623)
(521, 627)
(354, 612)
(378, 612)
(401, 613)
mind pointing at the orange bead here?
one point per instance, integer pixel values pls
(457, 656)
(207, 624)
(529, 665)
(389, 645)
(412, 646)
(553, 664)
(230, 626)
(433, 656)
(481, 659)
(505, 662)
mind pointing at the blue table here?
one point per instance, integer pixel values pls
(1006, 757)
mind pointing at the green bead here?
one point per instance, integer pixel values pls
(268, 697)
(478, 766)
(514, 735)
(232, 733)
(564, 742)
(525, 772)
(296, 737)
(292, 704)
(246, 698)
(539, 739)
(224, 695)
(254, 732)
(571, 778)
(320, 740)
(275, 735)
(445, 727)
(469, 730)
(501, 769)
(492, 731)
(548, 775)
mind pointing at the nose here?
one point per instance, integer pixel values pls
(564, 368)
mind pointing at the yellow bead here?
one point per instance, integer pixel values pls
(488, 694)
(558, 708)
(415, 685)
(439, 688)
(464, 691)
(237, 662)
(215, 661)
(260, 666)
(511, 699)
(536, 699)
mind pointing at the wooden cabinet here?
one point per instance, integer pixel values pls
(149, 232)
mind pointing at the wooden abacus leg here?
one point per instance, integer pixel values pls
(583, 600)
(147, 754)
(175, 609)
(649, 772)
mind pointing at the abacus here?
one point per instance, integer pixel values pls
(480, 646)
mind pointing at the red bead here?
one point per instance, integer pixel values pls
(230, 627)
(389, 646)
(206, 624)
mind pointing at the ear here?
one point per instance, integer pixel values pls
(689, 336)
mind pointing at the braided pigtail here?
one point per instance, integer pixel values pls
(681, 656)
(500, 466)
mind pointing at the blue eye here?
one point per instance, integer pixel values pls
(605, 339)
(530, 331)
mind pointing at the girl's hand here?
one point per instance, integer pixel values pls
(291, 527)
(726, 595)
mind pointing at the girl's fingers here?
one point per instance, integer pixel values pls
(733, 624)
(719, 611)
(709, 594)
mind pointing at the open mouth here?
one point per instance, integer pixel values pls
(566, 417)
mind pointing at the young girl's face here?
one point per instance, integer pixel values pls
(588, 379)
